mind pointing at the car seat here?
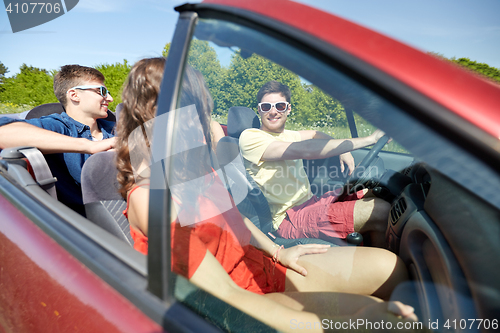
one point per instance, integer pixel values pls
(246, 193)
(103, 203)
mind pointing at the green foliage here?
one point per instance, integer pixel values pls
(477, 67)
(244, 77)
(204, 58)
(165, 50)
(32, 86)
(9, 108)
(238, 85)
(481, 68)
(320, 109)
(115, 75)
(3, 70)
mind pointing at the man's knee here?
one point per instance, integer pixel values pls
(381, 209)
(371, 214)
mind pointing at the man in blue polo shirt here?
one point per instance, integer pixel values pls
(69, 138)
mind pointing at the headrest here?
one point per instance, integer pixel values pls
(239, 118)
(45, 110)
(50, 108)
(118, 109)
(227, 150)
(99, 181)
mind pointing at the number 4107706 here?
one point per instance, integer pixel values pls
(33, 7)
(471, 323)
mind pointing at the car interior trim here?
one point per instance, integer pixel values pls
(160, 278)
(104, 264)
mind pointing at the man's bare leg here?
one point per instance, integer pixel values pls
(370, 217)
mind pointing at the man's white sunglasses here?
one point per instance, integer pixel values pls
(279, 106)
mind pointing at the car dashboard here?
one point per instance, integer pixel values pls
(435, 227)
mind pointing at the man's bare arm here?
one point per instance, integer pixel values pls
(312, 134)
(317, 148)
(23, 134)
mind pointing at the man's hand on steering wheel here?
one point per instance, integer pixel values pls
(354, 179)
(377, 134)
(346, 159)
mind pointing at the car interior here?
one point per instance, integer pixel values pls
(445, 217)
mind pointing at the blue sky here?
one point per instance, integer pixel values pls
(108, 31)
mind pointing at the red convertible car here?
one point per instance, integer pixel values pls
(61, 272)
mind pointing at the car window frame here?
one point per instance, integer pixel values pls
(473, 140)
(116, 263)
(159, 275)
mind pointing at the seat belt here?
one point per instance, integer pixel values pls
(43, 175)
(37, 162)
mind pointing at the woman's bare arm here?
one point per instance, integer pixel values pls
(287, 257)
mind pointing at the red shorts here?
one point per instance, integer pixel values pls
(276, 277)
(323, 217)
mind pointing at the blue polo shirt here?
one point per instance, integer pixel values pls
(67, 167)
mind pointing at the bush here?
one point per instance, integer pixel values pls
(32, 86)
(115, 75)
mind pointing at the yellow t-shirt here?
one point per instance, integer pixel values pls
(284, 183)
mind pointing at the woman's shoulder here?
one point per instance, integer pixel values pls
(138, 186)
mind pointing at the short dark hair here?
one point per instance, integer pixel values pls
(71, 76)
(272, 87)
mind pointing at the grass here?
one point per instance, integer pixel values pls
(221, 119)
(9, 108)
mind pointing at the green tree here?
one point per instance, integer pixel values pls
(238, 85)
(321, 109)
(244, 77)
(32, 86)
(165, 50)
(310, 105)
(115, 75)
(204, 58)
(3, 70)
(478, 67)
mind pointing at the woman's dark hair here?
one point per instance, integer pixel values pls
(140, 94)
(139, 97)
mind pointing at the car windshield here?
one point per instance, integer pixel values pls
(235, 60)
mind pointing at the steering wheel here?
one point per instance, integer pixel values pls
(364, 167)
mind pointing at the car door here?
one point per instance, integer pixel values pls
(60, 272)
